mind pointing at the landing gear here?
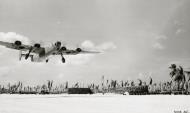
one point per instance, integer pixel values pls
(27, 55)
(32, 58)
(20, 55)
(63, 59)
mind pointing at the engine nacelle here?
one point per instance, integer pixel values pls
(78, 49)
(63, 48)
(18, 43)
(58, 44)
(37, 45)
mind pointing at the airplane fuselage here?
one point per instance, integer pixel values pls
(43, 55)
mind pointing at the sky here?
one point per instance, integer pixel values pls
(139, 38)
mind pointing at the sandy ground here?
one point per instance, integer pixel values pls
(93, 103)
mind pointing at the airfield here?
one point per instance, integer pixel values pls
(96, 103)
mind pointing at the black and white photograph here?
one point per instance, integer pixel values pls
(94, 56)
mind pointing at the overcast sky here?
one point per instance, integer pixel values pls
(140, 38)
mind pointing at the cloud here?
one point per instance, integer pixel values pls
(101, 47)
(157, 45)
(107, 46)
(157, 41)
(151, 39)
(12, 36)
(88, 44)
(161, 37)
(179, 31)
(82, 59)
(178, 23)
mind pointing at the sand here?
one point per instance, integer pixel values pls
(98, 103)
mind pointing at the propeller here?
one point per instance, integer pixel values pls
(62, 58)
(28, 54)
(61, 47)
(60, 44)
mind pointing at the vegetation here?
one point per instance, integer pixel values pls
(180, 84)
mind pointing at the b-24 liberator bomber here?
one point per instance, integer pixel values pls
(37, 53)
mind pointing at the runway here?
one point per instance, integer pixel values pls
(97, 103)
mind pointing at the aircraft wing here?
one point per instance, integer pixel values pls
(19, 46)
(75, 52)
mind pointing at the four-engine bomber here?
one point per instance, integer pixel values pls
(37, 53)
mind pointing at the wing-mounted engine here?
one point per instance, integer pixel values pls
(37, 45)
(78, 49)
(82, 51)
(58, 45)
(18, 43)
(63, 48)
